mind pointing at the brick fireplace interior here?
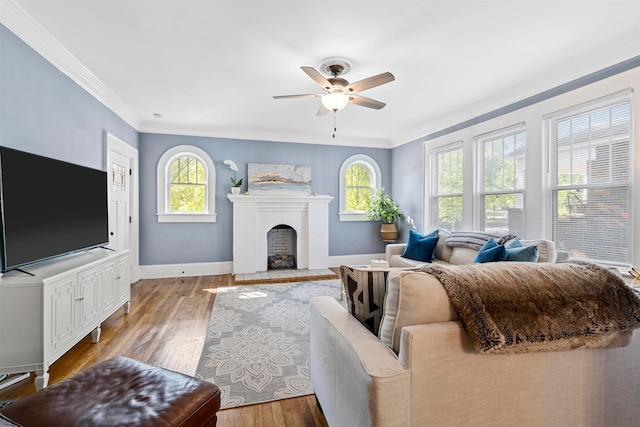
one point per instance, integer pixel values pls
(281, 248)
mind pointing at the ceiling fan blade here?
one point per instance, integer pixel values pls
(305, 95)
(370, 82)
(366, 102)
(317, 77)
(322, 111)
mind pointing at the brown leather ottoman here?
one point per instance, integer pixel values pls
(120, 392)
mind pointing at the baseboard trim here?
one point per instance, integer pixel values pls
(161, 271)
(185, 270)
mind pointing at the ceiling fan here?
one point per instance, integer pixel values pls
(338, 92)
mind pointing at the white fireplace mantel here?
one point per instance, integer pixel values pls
(254, 216)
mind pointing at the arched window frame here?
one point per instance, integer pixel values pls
(376, 178)
(163, 180)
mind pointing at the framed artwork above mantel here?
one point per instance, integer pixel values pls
(275, 179)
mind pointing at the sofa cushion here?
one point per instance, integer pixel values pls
(365, 289)
(413, 298)
(516, 251)
(475, 239)
(397, 261)
(458, 254)
(420, 247)
(442, 251)
(546, 249)
(491, 252)
(461, 256)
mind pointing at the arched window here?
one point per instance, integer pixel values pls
(186, 186)
(359, 178)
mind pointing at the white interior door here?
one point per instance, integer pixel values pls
(119, 199)
(121, 163)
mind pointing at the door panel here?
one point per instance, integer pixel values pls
(119, 196)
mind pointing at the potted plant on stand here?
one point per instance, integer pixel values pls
(384, 210)
(235, 185)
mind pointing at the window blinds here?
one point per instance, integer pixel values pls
(591, 181)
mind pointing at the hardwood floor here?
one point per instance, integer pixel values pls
(166, 327)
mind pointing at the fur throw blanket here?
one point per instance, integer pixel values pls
(513, 307)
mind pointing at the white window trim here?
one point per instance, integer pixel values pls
(537, 200)
(433, 178)
(548, 121)
(478, 141)
(377, 178)
(162, 178)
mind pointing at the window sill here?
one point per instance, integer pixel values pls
(186, 217)
(352, 216)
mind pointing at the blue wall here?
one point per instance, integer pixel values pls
(43, 111)
(167, 243)
(406, 177)
(407, 159)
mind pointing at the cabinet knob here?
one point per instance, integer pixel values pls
(80, 299)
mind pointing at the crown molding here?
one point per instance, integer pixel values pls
(19, 22)
(262, 135)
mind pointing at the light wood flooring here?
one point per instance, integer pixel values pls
(166, 327)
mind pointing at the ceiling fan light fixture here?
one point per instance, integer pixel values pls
(334, 101)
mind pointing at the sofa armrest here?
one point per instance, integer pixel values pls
(358, 381)
(563, 256)
(394, 249)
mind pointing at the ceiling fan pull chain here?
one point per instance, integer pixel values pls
(334, 123)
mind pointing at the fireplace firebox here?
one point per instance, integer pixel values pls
(281, 248)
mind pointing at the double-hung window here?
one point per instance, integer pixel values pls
(187, 185)
(591, 175)
(501, 180)
(447, 186)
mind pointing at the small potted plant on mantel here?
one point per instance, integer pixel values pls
(235, 185)
(384, 210)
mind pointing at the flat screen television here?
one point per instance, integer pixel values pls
(49, 208)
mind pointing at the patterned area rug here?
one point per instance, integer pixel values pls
(257, 344)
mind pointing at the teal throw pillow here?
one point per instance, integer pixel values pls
(516, 251)
(491, 252)
(420, 247)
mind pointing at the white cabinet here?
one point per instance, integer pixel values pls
(114, 285)
(44, 315)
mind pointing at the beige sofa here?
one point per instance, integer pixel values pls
(459, 254)
(423, 371)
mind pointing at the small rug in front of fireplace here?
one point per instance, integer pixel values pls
(284, 275)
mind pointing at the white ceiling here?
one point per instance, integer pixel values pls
(212, 67)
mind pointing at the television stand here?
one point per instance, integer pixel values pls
(22, 271)
(62, 300)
